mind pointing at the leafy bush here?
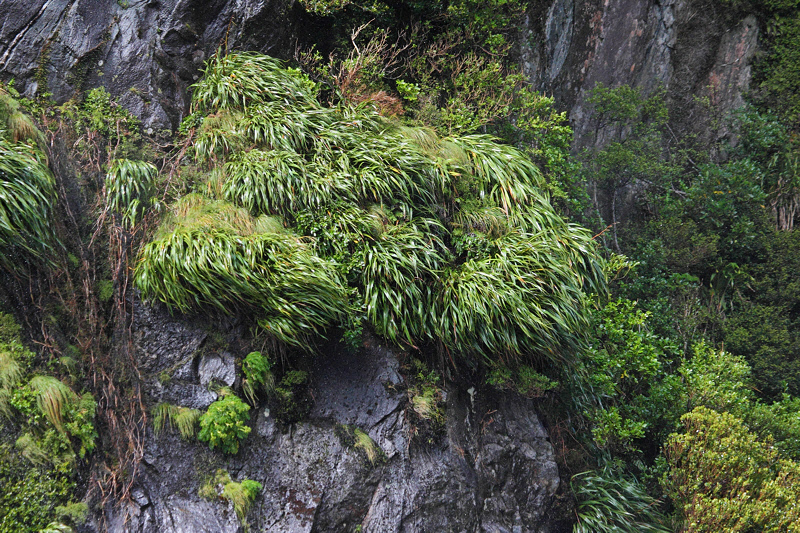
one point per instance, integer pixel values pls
(623, 382)
(723, 478)
(223, 426)
(29, 493)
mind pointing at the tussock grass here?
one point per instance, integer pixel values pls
(242, 495)
(52, 397)
(295, 293)
(610, 503)
(129, 186)
(27, 196)
(365, 443)
(27, 447)
(10, 370)
(241, 79)
(184, 419)
(436, 240)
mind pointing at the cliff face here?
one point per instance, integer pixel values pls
(491, 469)
(146, 52)
(695, 49)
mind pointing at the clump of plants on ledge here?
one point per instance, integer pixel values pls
(314, 216)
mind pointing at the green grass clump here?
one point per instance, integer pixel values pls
(129, 188)
(430, 241)
(365, 443)
(608, 502)
(293, 401)
(257, 370)
(27, 199)
(241, 494)
(294, 293)
(184, 419)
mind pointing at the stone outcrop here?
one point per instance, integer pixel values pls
(145, 52)
(492, 469)
(698, 50)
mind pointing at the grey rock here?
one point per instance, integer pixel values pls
(146, 52)
(218, 367)
(492, 470)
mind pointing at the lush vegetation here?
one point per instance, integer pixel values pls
(426, 239)
(413, 185)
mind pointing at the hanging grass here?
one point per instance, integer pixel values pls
(397, 280)
(220, 134)
(524, 298)
(129, 188)
(27, 195)
(275, 127)
(293, 293)
(184, 419)
(446, 240)
(52, 398)
(240, 79)
(274, 183)
(504, 174)
(18, 126)
(608, 502)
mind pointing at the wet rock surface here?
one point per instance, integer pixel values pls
(146, 52)
(492, 469)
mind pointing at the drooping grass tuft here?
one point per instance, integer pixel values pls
(257, 370)
(18, 126)
(28, 447)
(365, 443)
(184, 419)
(241, 79)
(294, 293)
(52, 397)
(398, 279)
(242, 495)
(447, 240)
(128, 188)
(10, 370)
(27, 195)
(610, 503)
(273, 183)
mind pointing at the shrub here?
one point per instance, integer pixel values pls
(723, 478)
(223, 426)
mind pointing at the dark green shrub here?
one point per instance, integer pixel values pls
(224, 425)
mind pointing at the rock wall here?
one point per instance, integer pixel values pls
(146, 52)
(492, 470)
(698, 50)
